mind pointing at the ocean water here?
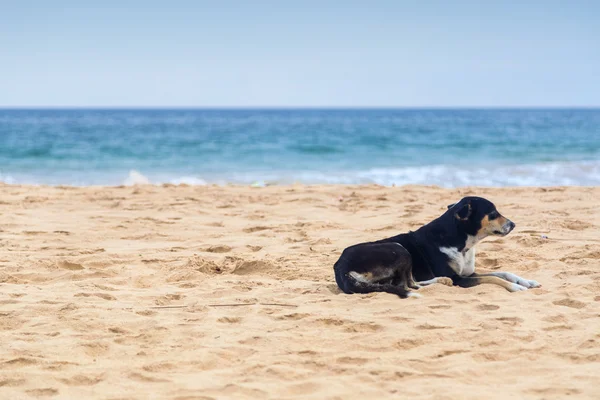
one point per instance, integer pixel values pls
(449, 148)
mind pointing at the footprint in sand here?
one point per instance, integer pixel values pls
(104, 296)
(205, 266)
(575, 225)
(558, 318)
(82, 380)
(487, 307)
(363, 327)
(447, 353)
(145, 378)
(70, 265)
(293, 316)
(159, 367)
(256, 229)
(59, 365)
(555, 391)
(352, 360)
(94, 349)
(217, 249)
(118, 330)
(440, 306)
(562, 327)
(330, 321)
(491, 263)
(429, 327)
(407, 344)
(569, 303)
(20, 362)
(146, 313)
(512, 321)
(230, 320)
(12, 382)
(42, 392)
(259, 267)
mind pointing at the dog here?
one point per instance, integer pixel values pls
(438, 252)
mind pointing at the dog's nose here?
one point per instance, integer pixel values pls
(511, 225)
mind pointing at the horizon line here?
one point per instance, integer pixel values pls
(266, 108)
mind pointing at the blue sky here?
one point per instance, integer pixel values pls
(299, 53)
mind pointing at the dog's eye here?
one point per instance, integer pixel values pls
(493, 215)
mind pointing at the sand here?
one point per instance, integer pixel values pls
(180, 292)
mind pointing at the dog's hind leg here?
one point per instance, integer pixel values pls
(403, 277)
(358, 284)
(410, 281)
(374, 267)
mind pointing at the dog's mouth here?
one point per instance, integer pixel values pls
(505, 230)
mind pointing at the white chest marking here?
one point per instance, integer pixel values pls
(462, 263)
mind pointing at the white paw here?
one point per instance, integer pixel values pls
(514, 287)
(528, 283)
(534, 284)
(414, 295)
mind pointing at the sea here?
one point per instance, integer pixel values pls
(444, 147)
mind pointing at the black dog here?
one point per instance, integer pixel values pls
(442, 249)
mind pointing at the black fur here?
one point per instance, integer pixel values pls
(418, 257)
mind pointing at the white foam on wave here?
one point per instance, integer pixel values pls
(584, 173)
(7, 179)
(136, 178)
(547, 174)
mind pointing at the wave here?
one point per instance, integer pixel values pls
(449, 176)
(545, 174)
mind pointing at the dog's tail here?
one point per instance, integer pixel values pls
(348, 284)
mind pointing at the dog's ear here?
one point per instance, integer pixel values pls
(464, 213)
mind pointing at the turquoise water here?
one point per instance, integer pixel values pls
(441, 147)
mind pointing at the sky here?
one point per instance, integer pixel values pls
(254, 53)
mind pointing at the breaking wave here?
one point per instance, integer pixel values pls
(584, 173)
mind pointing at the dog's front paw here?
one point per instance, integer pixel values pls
(445, 281)
(528, 283)
(515, 287)
(520, 281)
(534, 284)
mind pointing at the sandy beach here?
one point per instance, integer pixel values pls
(206, 292)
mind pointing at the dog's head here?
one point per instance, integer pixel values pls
(478, 217)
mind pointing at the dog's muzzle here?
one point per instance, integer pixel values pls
(507, 227)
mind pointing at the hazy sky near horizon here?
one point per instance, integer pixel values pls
(257, 53)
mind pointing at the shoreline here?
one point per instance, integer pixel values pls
(166, 185)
